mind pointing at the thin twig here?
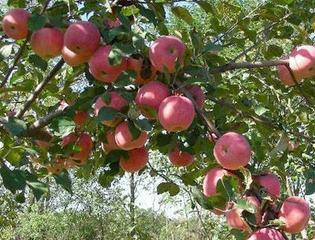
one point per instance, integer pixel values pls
(40, 88)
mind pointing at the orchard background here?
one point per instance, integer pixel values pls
(58, 187)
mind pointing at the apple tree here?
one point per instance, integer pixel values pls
(224, 90)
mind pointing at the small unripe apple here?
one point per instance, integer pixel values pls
(82, 38)
(150, 96)
(270, 182)
(144, 70)
(110, 142)
(180, 158)
(80, 118)
(266, 234)
(124, 138)
(176, 113)
(15, 23)
(165, 52)
(302, 61)
(47, 42)
(137, 160)
(100, 67)
(295, 213)
(116, 101)
(232, 151)
(198, 95)
(73, 59)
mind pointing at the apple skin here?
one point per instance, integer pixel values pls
(112, 23)
(235, 220)
(165, 52)
(82, 38)
(80, 118)
(267, 234)
(232, 151)
(198, 95)
(100, 67)
(15, 23)
(124, 139)
(47, 42)
(285, 75)
(138, 159)
(302, 61)
(42, 144)
(176, 113)
(145, 72)
(151, 95)
(180, 158)
(295, 213)
(270, 182)
(73, 59)
(110, 144)
(116, 101)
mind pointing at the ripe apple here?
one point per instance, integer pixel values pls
(14, 23)
(73, 59)
(176, 113)
(180, 158)
(80, 118)
(267, 234)
(112, 23)
(144, 70)
(198, 95)
(165, 52)
(47, 42)
(270, 182)
(42, 144)
(82, 38)
(232, 151)
(285, 75)
(150, 96)
(295, 213)
(124, 138)
(137, 160)
(234, 216)
(116, 101)
(110, 142)
(302, 61)
(101, 68)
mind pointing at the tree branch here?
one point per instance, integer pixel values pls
(40, 88)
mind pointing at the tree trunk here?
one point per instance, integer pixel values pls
(132, 206)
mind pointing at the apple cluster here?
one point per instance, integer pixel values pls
(81, 43)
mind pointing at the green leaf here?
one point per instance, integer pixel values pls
(238, 234)
(135, 132)
(17, 3)
(143, 124)
(63, 126)
(6, 50)
(129, 10)
(163, 139)
(169, 187)
(310, 181)
(38, 62)
(37, 187)
(36, 22)
(183, 14)
(260, 110)
(120, 50)
(15, 126)
(64, 180)
(13, 180)
(245, 205)
(106, 114)
(207, 7)
(212, 48)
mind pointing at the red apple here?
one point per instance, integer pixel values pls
(267, 234)
(198, 95)
(270, 182)
(144, 70)
(180, 158)
(176, 113)
(295, 213)
(232, 151)
(150, 96)
(15, 23)
(116, 101)
(82, 38)
(73, 59)
(124, 138)
(80, 118)
(112, 23)
(100, 67)
(302, 61)
(47, 42)
(285, 75)
(42, 144)
(234, 217)
(165, 52)
(110, 142)
(137, 160)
